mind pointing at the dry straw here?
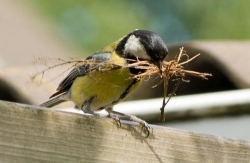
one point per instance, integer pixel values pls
(174, 69)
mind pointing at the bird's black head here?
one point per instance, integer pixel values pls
(144, 45)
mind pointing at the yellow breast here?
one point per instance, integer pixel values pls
(107, 88)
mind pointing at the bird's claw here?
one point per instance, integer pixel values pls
(145, 128)
(116, 118)
(115, 115)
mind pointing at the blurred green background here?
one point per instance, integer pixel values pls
(90, 25)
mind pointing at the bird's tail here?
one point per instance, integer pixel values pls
(53, 101)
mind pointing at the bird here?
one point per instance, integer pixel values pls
(92, 89)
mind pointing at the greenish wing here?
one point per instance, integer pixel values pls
(81, 70)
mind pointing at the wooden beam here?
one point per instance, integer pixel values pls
(34, 134)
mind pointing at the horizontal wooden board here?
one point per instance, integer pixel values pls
(34, 134)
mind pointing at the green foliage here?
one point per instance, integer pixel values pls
(93, 24)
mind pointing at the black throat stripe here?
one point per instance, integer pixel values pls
(125, 93)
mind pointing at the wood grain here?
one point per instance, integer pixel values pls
(34, 134)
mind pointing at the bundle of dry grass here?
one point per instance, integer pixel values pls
(170, 69)
(174, 69)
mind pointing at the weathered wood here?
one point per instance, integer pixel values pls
(33, 134)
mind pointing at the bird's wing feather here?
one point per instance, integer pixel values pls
(81, 70)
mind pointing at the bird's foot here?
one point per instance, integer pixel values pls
(145, 126)
(116, 118)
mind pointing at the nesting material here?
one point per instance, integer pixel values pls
(174, 69)
(169, 68)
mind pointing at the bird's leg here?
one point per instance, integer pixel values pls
(117, 115)
(87, 111)
(86, 106)
(113, 116)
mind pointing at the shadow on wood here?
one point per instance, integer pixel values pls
(35, 134)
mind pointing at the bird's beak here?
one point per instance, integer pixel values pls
(159, 65)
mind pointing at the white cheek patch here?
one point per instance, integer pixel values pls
(134, 47)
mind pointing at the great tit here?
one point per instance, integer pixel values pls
(92, 89)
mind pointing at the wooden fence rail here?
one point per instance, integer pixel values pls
(34, 134)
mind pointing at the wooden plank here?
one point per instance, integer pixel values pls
(34, 134)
